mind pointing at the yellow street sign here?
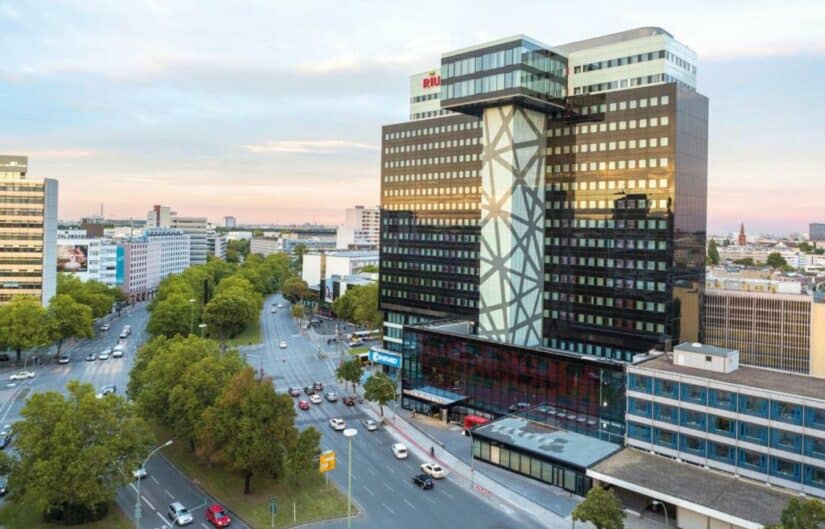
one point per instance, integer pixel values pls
(327, 461)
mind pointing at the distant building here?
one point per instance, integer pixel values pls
(28, 229)
(135, 284)
(230, 222)
(90, 258)
(816, 232)
(238, 235)
(172, 247)
(216, 244)
(336, 286)
(742, 240)
(265, 246)
(361, 229)
(159, 217)
(317, 267)
(195, 228)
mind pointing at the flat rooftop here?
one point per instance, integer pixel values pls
(724, 493)
(802, 385)
(696, 347)
(545, 441)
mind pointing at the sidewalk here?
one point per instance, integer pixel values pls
(510, 492)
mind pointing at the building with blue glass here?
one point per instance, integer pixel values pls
(699, 406)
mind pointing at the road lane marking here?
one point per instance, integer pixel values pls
(368, 490)
(427, 497)
(388, 486)
(168, 494)
(384, 505)
(147, 502)
(133, 487)
(165, 521)
(155, 480)
(203, 524)
(410, 504)
(446, 494)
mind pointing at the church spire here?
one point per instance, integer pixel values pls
(742, 239)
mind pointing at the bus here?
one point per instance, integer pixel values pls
(374, 334)
(364, 358)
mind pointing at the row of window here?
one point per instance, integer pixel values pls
(418, 162)
(644, 204)
(606, 282)
(764, 407)
(625, 83)
(633, 59)
(599, 301)
(428, 131)
(433, 252)
(429, 283)
(538, 83)
(417, 147)
(433, 268)
(429, 114)
(431, 237)
(626, 324)
(581, 148)
(613, 165)
(421, 177)
(429, 191)
(429, 298)
(609, 185)
(601, 262)
(603, 224)
(613, 126)
(500, 59)
(469, 205)
(629, 244)
(588, 348)
(439, 221)
(425, 97)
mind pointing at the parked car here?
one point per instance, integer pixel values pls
(315, 398)
(63, 359)
(399, 451)
(282, 344)
(434, 470)
(303, 404)
(331, 396)
(22, 375)
(179, 514)
(91, 357)
(295, 391)
(423, 481)
(105, 327)
(274, 309)
(216, 515)
(337, 424)
(349, 400)
(370, 425)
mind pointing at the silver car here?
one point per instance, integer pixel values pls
(370, 425)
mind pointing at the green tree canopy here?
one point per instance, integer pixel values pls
(747, 261)
(802, 513)
(23, 324)
(229, 313)
(775, 260)
(251, 428)
(379, 388)
(94, 294)
(67, 318)
(295, 289)
(76, 451)
(350, 371)
(297, 311)
(713, 253)
(173, 315)
(602, 508)
(298, 251)
(370, 269)
(360, 305)
(302, 460)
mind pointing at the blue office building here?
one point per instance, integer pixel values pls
(698, 406)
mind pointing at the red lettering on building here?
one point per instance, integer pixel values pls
(432, 81)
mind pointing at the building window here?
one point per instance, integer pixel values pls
(725, 400)
(755, 406)
(664, 413)
(785, 440)
(786, 412)
(667, 388)
(664, 438)
(815, 476)
(642, 408)
(721, 452)
(753, 433)
(694, 394)
(692, 419)
(752, 460)
(692, 445)
(782, 468)
(815, 447)
(639, 431)
(721, 426)
(815, 418)
(640, 383)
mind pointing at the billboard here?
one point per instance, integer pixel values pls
(72, 257)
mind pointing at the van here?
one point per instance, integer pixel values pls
(179, 514)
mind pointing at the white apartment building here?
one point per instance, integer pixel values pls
(172, 247)
(195, 228)
(320, 266)
(90, 258)
(216, 244)
(266, 245)
(361, 229)
(136, 270)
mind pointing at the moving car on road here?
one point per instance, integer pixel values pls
(423, 481)
(295, 391)
(434, 470)
(370, 425)
(106, 390)
(105, 327)
(282, 344)
(63, 359)
(91, 357)
(309, 390)
(349, 400)
(331, 396)
(318, 386)
(117, 351)
(337, 424)
(104, 355)
(179, 514)
(5, 436)
(217, 516)
(303, 404)
(399, 450)
(315, 398)
(22, 375)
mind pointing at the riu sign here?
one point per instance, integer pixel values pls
(432, 81)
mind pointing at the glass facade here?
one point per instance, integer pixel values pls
(566, 391)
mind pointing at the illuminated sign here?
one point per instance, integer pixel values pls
(385, 358)
(72, 257)
(327, 461)
(432, 81)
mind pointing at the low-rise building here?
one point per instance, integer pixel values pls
(265, 246)
(216, 244)
(316, 267)
(360, 230)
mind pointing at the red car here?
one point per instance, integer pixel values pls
(217, 516)
(303, 404)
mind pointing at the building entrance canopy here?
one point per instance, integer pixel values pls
(433, 395)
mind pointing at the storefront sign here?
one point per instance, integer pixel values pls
(432, 81)
(385, 358)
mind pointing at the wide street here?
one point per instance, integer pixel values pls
(381, 484)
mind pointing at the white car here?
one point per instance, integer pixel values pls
(399, 451)
(315, 398)
(433, 470)
(117, 353)
(104, 355)
(337, 424)
(22, 375)
(139, 473)
(282, 344)
(370, 425)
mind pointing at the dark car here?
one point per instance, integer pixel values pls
(318, 386)
(295, 391)
(423, 481)
(309, 390)
(5, 436)
(349, 400)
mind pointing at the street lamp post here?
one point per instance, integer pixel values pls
(664, 508)
(191, 315)
(143, 467)
(202, 327)
(349, 433)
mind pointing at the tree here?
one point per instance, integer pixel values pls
(199, 388)
(379, 388)
(360, 305)
(802, 513)
(602, 508)
(806, 247)
(298, 311)
(229, 313)
(713, 252)
(350, 371)
(172, 316)
(76, 451)
(299, 250)
(775, 260)
(94, 294)
(67, 318)
(251, 428)
(303, 458)
(747, 261)
(295, 288)
(23, 324)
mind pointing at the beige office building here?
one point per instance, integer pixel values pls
(772, 324)
(28, 233)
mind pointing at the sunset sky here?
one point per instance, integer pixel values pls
(271, 111)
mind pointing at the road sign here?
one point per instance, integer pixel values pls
(327, 461)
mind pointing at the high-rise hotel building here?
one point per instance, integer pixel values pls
(553, 195)
(28, 232)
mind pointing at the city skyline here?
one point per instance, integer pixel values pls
(150, 104)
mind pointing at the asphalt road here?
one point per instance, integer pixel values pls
(381, 484)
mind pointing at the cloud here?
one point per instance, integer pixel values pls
(9, 12)
(308, 146)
